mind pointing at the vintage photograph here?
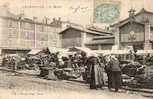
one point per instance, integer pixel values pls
(76, 49)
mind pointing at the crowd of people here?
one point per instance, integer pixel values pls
(109, 64)
(92, 67)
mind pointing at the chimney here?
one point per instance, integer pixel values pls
(45, 20)
(132, 14)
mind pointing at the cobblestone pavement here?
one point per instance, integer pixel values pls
(19, 86)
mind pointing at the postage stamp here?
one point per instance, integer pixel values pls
(106, 11)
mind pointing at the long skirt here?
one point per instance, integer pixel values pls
(116, 79)
(96, 80)
(109, 76)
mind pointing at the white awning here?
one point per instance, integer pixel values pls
(62, 51)
(144, 52)
(12, 55)
(102, 51)
(55, 50)
(108, 52)
(120, 52)
(84, 49)
(34, 51)
(115, 47)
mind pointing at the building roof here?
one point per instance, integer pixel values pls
(127, 19)
(7, 14)
(120, 25)
(84, 30)
(97, 29)
(101, 41)
(71, 23)
(34, 51)
(103, 37)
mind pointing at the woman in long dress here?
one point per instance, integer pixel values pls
(116, 73)
(96, 73)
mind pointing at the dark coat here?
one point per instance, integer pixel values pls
(115, 65)
(96, 73)
(116, 73)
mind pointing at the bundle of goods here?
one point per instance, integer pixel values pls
(132, 68)
(67, 73)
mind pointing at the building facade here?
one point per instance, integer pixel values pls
(76, 36)
(136, 31)
(19, 34)
(101, 42)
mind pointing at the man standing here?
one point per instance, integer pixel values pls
(116, 73)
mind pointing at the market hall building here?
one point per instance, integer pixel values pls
(136, 31)
(19, 35)
(78, 36)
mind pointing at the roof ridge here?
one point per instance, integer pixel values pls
(141, 11)
(84, 30)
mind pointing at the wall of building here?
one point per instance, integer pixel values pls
(71, 38)
(145, 16)
(106, 47)
(22, 34)
(125, 30)
(89, 37)
(9, 33)
(92, 47)
(100, 46)
(27, 35)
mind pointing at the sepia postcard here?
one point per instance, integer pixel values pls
(76, 49)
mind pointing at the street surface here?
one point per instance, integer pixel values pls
(19, 86)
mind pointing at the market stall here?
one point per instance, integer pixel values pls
(34, 51)
(144, 52)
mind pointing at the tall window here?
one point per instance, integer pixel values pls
(12, 33)
(40, 28)
(27, 26)
(27, 35)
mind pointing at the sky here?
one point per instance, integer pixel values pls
(77, 11)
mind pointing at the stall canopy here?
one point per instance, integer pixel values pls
(102, 51)
(11, 55)
(55, 50)
(34, 51)
(144, 52)
(83, 49)
(120, 52)
(62, 51)
(108, 52)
